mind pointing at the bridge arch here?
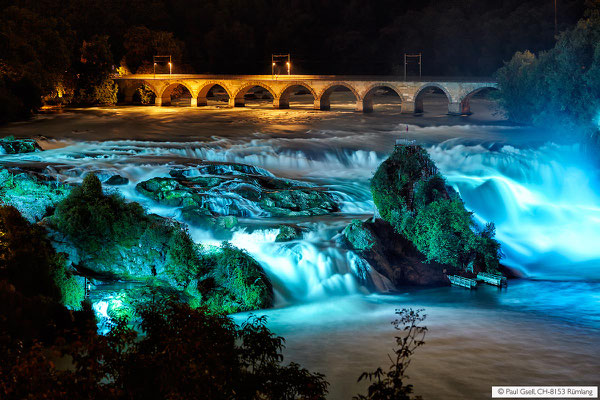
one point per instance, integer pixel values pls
(322, 102)
(465, 101)
(205, 89)
(128, 90)
(369, 93)
(165, 94)
(283, 100)
(423, 90)
(238, 98)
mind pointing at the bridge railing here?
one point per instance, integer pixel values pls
(381, 78)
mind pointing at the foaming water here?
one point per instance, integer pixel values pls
(543, 198)
(544, 202)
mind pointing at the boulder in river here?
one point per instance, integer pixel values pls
(10, 145)
(236, 190)
(110, 239)
(392, 255)
(412, 196)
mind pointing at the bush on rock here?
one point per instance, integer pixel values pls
(413, 197)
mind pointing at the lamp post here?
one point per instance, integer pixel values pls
(170, 68)
(289, 67)
(155, 70)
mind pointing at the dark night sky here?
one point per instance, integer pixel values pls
(456, 37)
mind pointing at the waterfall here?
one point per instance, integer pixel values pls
(544, 202)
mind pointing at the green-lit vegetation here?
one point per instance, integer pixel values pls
(236, 281)
(33, 276)
(412, 196)
(32, 196)
(118, 240)
(560, 87)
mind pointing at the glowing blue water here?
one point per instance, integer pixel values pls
(545, 203)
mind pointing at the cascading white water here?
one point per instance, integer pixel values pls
(542, 199)
(544, 202)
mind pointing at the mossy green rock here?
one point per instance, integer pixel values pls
(236, 190)
(111, 239)
(30, 193)
(413, 197)
(287, 233)
(359, 236)
(236, 282)
(10, 145)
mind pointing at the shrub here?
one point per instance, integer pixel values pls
(236, 282)
(28, 261)
(184, 353)
(390, 385)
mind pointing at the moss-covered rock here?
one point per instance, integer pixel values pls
(413, 197)
(113, 239)
(10, 145)
(118, 240)
(235, 283)
(288, 232)
(236, 190)
(32, 195)
(359, 237)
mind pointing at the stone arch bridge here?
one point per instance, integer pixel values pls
(281, 87)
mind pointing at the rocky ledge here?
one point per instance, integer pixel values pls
(235, 190)
(10, 145)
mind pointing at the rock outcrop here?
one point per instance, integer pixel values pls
(236, 190)
(109, 239)
(392, 255)
(10, 145)
(412, 196)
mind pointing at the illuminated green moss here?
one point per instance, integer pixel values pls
(30, 195)
(119, 240)
(236, 282)
(413, 197)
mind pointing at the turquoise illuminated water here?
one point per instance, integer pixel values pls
(543, 194)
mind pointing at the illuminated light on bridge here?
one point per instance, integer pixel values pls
(411, 93)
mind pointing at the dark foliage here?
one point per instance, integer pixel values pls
(46, 41)
(560, 87)
(183, 354)
(33, 284)
(390, 384)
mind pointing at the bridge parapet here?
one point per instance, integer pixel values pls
(458, 91)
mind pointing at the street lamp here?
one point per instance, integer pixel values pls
(154, 70)
(170, 68)
(280, 59)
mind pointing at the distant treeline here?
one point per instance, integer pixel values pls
(63, 50)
